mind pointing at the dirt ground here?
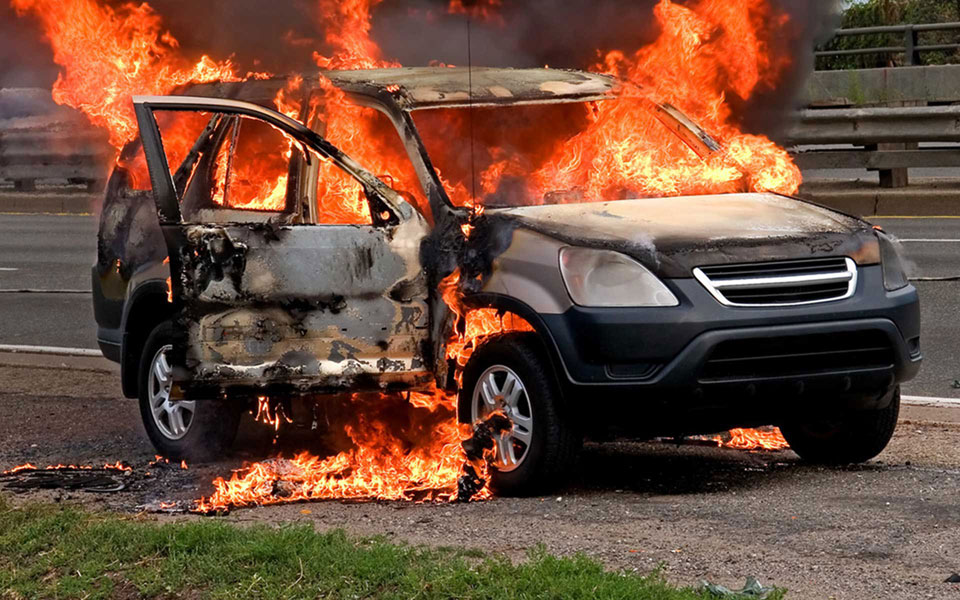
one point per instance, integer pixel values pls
(888, 529)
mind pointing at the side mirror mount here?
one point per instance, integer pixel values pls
(387, 206)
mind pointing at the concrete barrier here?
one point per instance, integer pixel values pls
(44, 144)
(883, 87)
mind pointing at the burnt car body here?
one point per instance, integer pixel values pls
(744, 310)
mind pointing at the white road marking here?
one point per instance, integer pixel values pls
(53, 350)
(933, 241)
(931, 402)
(8, 269)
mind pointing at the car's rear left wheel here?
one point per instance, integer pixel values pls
(855, 437)
(180, 429)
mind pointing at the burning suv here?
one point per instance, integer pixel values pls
(243, 255)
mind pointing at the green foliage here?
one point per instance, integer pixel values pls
(877, 13)
(61, 552)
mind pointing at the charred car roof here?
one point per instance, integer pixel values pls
(449, 87)
(414, 88)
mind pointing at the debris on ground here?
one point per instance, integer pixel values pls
(752, 589)
(160, 474)
(106, 479)
(169, 507)
(954, 578)
(476, 449)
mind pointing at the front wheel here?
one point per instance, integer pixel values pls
(854, 438)
(180, 429)
(512, 374)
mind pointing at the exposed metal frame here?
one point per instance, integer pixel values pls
(145, 105)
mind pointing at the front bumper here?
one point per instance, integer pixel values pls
(710, 354)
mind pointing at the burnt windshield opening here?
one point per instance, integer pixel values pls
(571, 152)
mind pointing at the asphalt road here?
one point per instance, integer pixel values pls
(932, 247)
(52, 252)
(886, 529)
(47, 252)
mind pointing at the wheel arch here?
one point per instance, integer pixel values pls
(542, 333)
(146, 308)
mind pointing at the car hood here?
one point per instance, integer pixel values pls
(671, 236)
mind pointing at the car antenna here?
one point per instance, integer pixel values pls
(473, 154)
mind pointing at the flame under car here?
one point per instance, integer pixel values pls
(242, 255)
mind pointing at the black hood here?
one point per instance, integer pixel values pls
(671, 236)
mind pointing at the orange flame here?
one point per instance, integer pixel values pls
(166, 262)
(754, 439)
(270, 414)
(708, 52)
(117, 466)
(109, 55)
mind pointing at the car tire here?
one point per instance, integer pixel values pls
(512, 372)
(855, 438)
(196, 430)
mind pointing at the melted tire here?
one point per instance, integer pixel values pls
(556, 443)
(855, 438)
(215, 422)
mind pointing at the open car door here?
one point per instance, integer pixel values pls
(269, 297)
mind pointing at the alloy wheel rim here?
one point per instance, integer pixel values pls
(172, 417)
(500, 388)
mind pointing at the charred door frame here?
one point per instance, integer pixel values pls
(388, 208)
(164, 190)
(162, 180)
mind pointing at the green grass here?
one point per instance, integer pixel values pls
(49, 551)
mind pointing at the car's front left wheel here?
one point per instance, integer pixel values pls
(512, 375)
(180, 429)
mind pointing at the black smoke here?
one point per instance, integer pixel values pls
(576, 33)
(559, 33)
(281, 37)
(25, 58)
(812, 22)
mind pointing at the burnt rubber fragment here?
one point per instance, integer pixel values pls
(476, 449)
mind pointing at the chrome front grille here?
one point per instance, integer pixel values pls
(781, 283)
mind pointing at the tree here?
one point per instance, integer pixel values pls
(873, 13)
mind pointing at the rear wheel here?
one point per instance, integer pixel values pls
(853, 438)
(179, 429)
(511, 374)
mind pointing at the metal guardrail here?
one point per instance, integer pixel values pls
(886, 139)
(863, 126)
(911, 47)
(72, 156)
(45, 144)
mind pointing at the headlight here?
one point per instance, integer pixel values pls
(603, 278)
(894, 273)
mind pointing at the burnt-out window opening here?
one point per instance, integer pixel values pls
(368, 136)
(252, 170)
(179, 131)
(557, 153)
(224, 163)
